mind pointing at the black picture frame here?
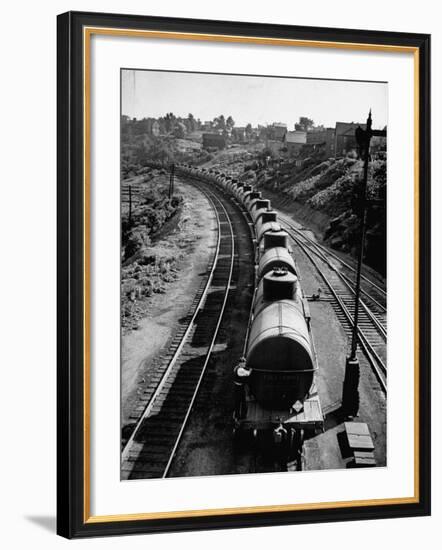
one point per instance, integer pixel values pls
(71, 518)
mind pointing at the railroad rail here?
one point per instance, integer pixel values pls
(372, 333)
(371, 307)
(150, 384)
(151, 447)
(372, 291)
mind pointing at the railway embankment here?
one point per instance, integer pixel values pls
(148, 216)
(323, 195)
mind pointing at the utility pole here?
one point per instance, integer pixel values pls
(130, 205)
(350, 392)
(172, 177)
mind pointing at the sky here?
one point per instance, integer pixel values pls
(254, 99)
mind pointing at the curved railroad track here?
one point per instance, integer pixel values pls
(372, 291)
(371, 306)
(159, 367)
(372, 325)
(152, 445)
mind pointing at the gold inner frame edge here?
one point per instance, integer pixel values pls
(87, 33)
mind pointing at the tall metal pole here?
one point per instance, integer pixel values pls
(130, 204)
(172, 174)
(350, 392)
(362, 228)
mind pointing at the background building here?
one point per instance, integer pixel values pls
(322, 138)
(214, 140)
(345, 140)
(294, 141)
(277, 131)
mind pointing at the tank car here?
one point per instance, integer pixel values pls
(277, 379)
(258, 204)
(279, 356)
(264, 214)
(233, 184)
(275, 392)
(276, 257)
(242, 191)
(262, 228)
(274, 238)
(250, 198)
(278, 284)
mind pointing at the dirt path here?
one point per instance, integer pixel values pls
(191, 241)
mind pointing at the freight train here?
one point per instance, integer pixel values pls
(274, 381)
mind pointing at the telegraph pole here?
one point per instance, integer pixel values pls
(350, 392)
(172, 177)
(130, 205)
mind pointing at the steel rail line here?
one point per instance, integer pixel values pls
(349, 285)
(378, 304)
(335, 256)
(177, 352)
(176, 440)
(215, 335)
(251, 227)
(378, 366)
(321, 251)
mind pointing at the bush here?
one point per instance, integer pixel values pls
(135, 241)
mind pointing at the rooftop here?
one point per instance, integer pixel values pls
(298, 136)
(343, 128)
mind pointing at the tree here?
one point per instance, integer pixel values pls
(169, 120)
(304, 124)
(220, 122)
(230, 123)
(160, 152)
(179, 130)
(125, 125)
(191, 122)
(248, 130)
(140, 154)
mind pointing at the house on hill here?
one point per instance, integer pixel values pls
(294, 141)
(262, 132)
(277, 131)
(323, 138)
(345, 139)
(214, 140)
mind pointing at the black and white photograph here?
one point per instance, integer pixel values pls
(253, 274)
(219, 235)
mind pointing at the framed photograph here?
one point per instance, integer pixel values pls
(243, 256)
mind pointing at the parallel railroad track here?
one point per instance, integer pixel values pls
(370, 288)
(372, 331)
(151, 447)
(148, 388)
(372, 312)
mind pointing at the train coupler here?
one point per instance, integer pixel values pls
(279, 435)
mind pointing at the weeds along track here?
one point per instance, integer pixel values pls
(339, 290)
(150, 449)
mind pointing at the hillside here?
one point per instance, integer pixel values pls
(324, 194)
